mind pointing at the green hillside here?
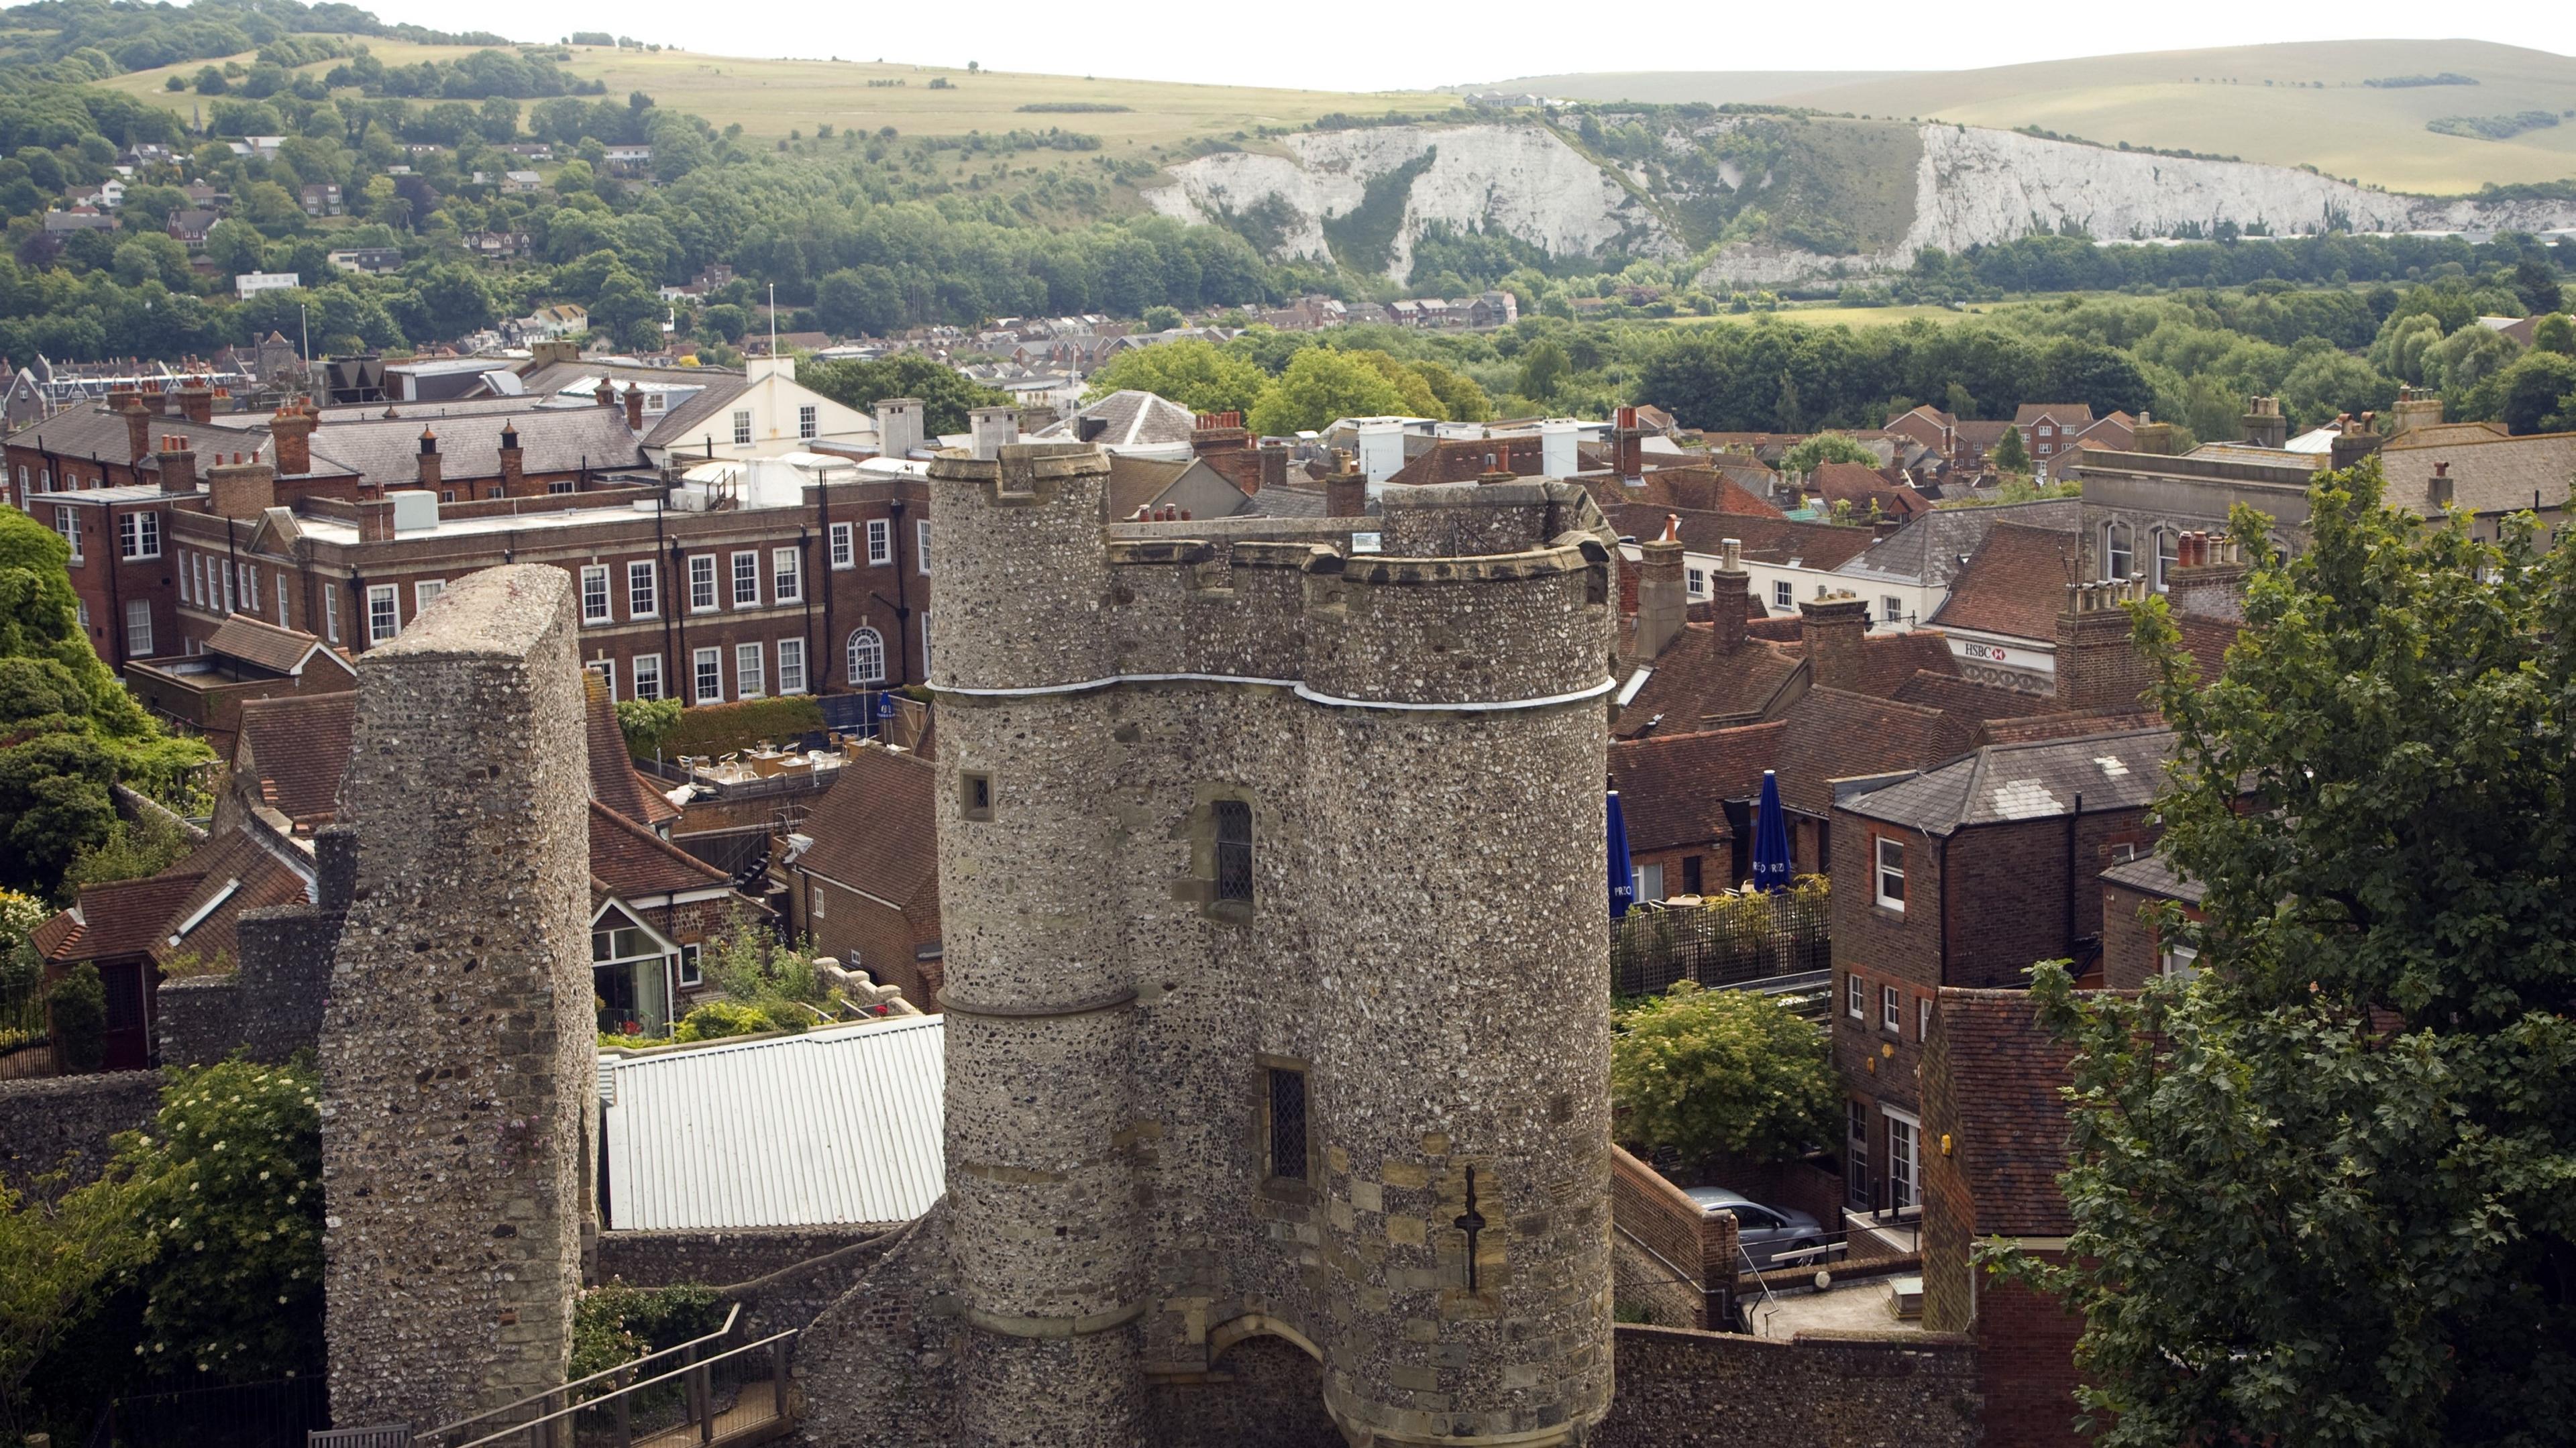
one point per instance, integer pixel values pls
(2295, 104)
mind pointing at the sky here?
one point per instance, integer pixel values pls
(1417, 44)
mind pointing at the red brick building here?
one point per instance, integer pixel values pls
(862, 872)
(740, 579)
(1965, 876)
(1997, 1126)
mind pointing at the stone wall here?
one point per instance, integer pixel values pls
(1682, 1389)
(1263, 1392)
(880, 1365)
(197, 1020)
(661, 1259)
(458, 1055)
(45, 1121)
(272, 1003)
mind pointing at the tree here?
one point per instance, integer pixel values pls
(2537, 285)
(2009, 455)
(2554, 333)
(55, 1263)
(1826, 447)
(2534, 388)
(1320, 385)
(1713, 1073)
(1544, 369)
(76, 1013)
(1162, 318)
(1198, 375)
(2319, 1189)
(68, 729)
(945, 394)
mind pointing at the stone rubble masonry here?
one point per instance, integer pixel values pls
(457, 1045)
(1425, 940)
(271, 1004)
(64, 1122)
(1818, 1390)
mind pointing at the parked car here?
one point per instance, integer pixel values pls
(1769, 1233)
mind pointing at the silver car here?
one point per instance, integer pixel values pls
(1769, 1234)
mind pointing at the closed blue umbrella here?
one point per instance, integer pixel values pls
(1623, 875)
(1770, 839)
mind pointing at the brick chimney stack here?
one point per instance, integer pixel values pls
(2099, 668)
(2416, 407)
(197, 401)
(178, 465)
(2355, 438)
(2264, 424)
(1219, 432)
(1730, 596)
(1663, 600)
(634, 407)
(138, 422)
(605, 394)
(2207, 579)
(1345, 488)
(292, 428)
(1630, 446)
(432, 467)
(1831, 628)
(514, 473)
(242, 489)
(1274, 467)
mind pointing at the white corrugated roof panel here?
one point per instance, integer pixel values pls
(840, 1125)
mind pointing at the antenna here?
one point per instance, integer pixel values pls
(773, 324)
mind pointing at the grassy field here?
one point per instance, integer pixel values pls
(769, 98)
(2263, 103)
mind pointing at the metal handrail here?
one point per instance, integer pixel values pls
(688, 1370)
(732, 1315)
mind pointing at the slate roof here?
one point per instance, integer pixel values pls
(94, 432)
(839, 1125)
(2000, 782)
(2153, 874)
(1135, 419)
(874, 829)
(1934, 547)
(1833, 734)
(2008, 1141)
(2014, 584)
(1673, 788)
(680, 425)
(1706, 489)
(1289, 502)
(551, 440)
(2489, 474)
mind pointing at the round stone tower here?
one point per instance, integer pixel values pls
(1462, 1092)
(1045, 1228)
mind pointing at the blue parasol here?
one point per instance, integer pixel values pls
(1770, 839)
(1623, 875)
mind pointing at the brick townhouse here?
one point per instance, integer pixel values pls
(749, 578)
(1965, 876)
(862, 872)
(1998, 1126)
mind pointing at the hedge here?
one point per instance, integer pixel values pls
(723, 728)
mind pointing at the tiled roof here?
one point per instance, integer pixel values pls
(1888, 661)
(613, 780)
(2014, 584)
(1978, 434)
(874, 830)
(1859, 486)
(1838, 735)
(2008, 1142)
(1765, 540)
(2038, 728)
(1673, 788)
(126, 918)
(1289, 502)
(197, 901)
(1695, 685)
(297, 747)
(631, 862)
(2062, 413)
(1705, 489)
(1463, 460)
(2027, 781)
(279, 650)
(1969, 699)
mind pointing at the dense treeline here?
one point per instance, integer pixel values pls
(85, 40)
